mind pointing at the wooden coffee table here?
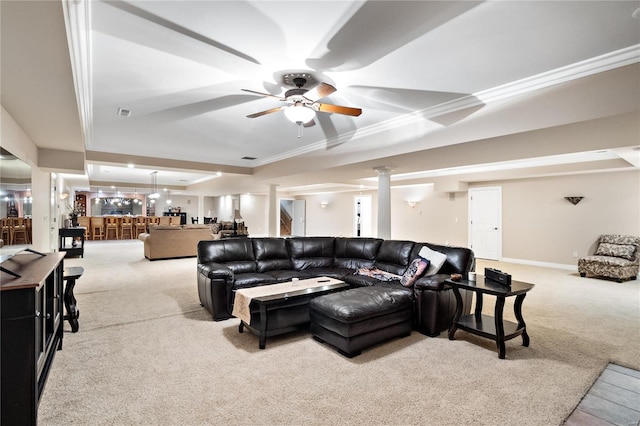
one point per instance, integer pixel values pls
(280, 308)
(494, 328)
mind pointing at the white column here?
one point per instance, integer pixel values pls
(272, 225)
(200, 211)
(384, 202)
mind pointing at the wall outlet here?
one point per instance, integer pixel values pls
(575, 254)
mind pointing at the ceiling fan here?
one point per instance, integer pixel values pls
(302, 104)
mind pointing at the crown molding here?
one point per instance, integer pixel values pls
(606, 62)
(596, 65)
(77, 17)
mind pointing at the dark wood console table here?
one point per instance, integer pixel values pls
(494, 328)
(32, 331)
(74, 249)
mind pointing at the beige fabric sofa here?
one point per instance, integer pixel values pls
(170, 241)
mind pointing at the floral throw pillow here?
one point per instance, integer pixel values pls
(436, 259)
(625, 251)
(414, 271)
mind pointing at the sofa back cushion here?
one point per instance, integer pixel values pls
(624, 246)
(311, 252)
(236, 253)
(271, 254)
(356, 253)
(460, 260)
(394, 256)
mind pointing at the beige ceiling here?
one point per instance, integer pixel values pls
(447, 89)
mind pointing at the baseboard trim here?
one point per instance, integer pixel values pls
(542, 264)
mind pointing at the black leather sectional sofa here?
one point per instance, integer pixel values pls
(229, 264)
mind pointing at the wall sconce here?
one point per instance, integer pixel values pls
(64, 195)
(412, 204)
(573, 200)
(324, 204)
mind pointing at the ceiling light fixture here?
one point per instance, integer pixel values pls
(299, 115)
(154, 186)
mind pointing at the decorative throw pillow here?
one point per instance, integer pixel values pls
(414, 271)
(625, 251)
(435, 258)
(215, 228)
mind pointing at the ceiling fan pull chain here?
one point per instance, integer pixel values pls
(299, 123)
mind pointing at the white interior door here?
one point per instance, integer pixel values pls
(485, 222)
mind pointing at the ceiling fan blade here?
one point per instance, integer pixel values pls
(320, 91)
(337, 109)
(268, 95)
(309, 123)
(261, 113)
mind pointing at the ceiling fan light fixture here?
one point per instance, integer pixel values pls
(299, 114)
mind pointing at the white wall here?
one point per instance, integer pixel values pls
(253, 209)
(539, 225)
(336, 219)
(16, 141)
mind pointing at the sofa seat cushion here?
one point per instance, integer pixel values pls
(337, 273)
(252, 279)
(606, 260)
(360, 310)
(357, 280)
(284, 275)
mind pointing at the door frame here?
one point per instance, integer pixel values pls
(368, 221)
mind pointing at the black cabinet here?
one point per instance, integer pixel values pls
(183, 216)
(31, 332)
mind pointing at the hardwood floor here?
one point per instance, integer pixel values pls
(614, 399)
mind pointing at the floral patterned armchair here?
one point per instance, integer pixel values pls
(617, 257)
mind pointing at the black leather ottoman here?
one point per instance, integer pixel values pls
(360, 317)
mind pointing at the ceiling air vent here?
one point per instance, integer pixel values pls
(124, 112)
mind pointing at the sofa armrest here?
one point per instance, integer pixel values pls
(431, 282)
(214, 289)
(144, 236)
(215, 270)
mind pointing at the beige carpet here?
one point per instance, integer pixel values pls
(147, 353)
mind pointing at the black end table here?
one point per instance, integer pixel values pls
(494, 328)
(74, 249)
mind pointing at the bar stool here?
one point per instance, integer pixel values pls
(18, 229)
(6, 231)
(141, 225)
(111, 228)
(126, 227)
(97, 227)
(85, 222)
